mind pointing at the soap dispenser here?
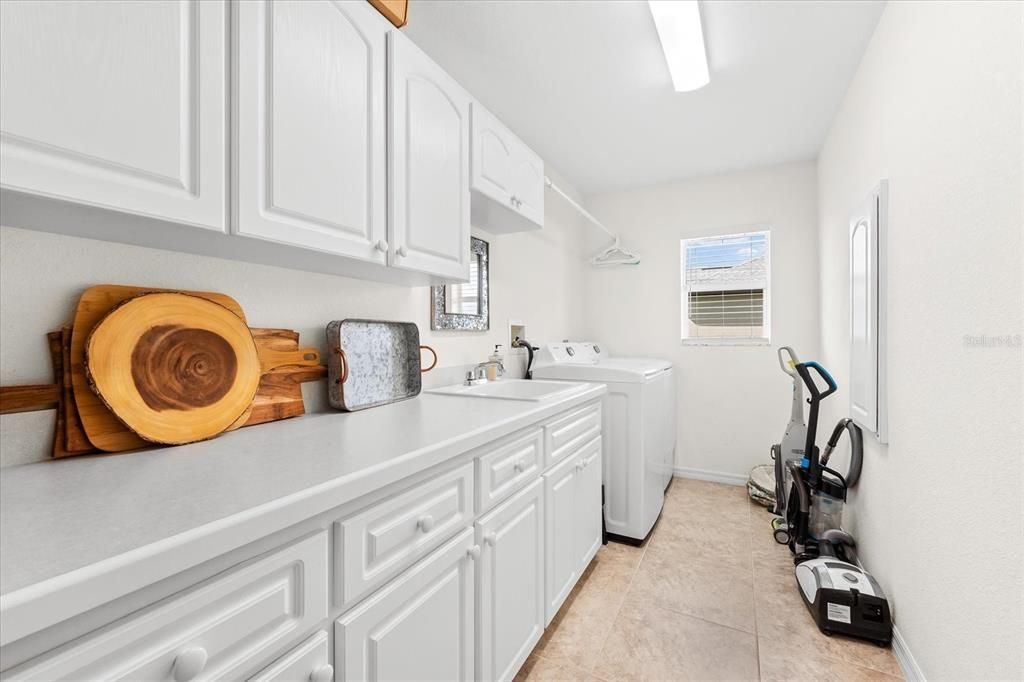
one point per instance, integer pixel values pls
(495, 366)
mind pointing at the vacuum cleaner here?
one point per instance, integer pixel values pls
(841, 596)
(792, 446)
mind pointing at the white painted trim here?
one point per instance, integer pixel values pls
(908, 664)
(713, 476)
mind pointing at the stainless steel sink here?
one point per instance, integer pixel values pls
(512, 389)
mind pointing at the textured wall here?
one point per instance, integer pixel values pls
(733, 400)
(936, 108)
(535, 276)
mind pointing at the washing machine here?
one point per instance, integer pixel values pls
(638, 430)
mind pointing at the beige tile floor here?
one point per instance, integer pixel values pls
(710, 596)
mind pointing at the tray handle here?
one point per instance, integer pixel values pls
(432, 364)
(344, 365)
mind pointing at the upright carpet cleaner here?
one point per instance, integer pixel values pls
(842, 597)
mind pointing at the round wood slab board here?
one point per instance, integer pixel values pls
(174, 368)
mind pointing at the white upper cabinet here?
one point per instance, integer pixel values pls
(310, 158)
(507, 178)
(429, 164)
(116, 104)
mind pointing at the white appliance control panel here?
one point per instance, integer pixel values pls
(570, 352)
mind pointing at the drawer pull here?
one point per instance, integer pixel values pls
(473, 552)
(188, 664)
(426, 523)
(324, 673)
(491, 538)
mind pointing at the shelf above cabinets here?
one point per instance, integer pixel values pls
(507, 178)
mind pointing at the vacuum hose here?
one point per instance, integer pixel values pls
(856, 449)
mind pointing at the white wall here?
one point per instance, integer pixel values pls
(733, 400)
(936, 107)
(536, 277)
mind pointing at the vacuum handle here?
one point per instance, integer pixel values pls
(804, 369)
(788, 365)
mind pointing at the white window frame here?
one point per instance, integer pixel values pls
(684, 306)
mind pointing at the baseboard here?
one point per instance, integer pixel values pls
(713, 476)
(911, 670)
(908, 664)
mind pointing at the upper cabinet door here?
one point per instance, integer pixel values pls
(117, 104)
(311, 126)
(507, 178)
(429, 169)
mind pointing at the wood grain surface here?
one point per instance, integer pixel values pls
(173, 367)
(103, 429)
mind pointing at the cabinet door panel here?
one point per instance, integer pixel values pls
(429, 170)
(492, 158)
(561, 546)
(418, 627)
(117, 104)
(589, 506)
(511, 579)
(311, 126)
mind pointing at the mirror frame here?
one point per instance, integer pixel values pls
(443, 321)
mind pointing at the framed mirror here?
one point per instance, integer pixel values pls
(463, 306)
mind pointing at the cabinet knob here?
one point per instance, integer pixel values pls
(425, 523)
(491, 538)
(402, 251)
(519, 467)
(188, 664)
(324, 673)
(473, 552)
(512, 199)
(382, 246)
(580, 465)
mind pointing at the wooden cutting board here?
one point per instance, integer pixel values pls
(103, 429)
(280, 392)
(279, 395)
(175, 368)
(70, 432)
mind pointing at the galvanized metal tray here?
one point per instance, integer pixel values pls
(373, 362)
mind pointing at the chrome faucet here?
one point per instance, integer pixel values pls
(477, 375)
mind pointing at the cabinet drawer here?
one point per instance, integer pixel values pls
(507, 468)
(390, 536)
(311, 661)
(216, 630)
(569, 433)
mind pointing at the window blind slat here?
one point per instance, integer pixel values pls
(724, 283)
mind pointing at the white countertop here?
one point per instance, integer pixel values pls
(66, 526)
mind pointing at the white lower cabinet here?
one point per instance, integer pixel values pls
(419, 626)
(588, 509)
(572, 498)
(215, 631)
(510, 603)
(308, 662)
(424, 586)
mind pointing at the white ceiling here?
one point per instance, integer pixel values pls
(584, 82)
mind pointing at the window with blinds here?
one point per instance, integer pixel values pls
(725, 289)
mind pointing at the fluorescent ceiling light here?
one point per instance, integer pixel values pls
(682, 40)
